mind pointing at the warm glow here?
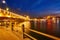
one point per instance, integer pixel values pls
(54, 19)
(8, 16)
(17, 16)
(48, 17)
(35, 19)
(26, 25)
(27, 18)
(14, 15)
(57, 20)
(0, 14)
(43, 20)
(7, 9)
(0, 9)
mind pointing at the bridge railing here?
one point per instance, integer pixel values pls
(11, 14)
(40, 33)
(29, 36)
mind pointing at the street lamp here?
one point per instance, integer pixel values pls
(3, 1)
(7, 9)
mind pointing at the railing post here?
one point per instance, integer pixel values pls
(23, 30)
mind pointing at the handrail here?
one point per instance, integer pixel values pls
(47, 35)
(30, 36)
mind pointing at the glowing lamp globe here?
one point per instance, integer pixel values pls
(4, 1)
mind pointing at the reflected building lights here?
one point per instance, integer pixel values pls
(58, 25)
(54, 20)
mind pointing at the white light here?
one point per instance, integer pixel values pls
(9, 16)
(43, 20)
(3, 1)
(7, 9)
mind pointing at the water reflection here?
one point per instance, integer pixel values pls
(50, 26)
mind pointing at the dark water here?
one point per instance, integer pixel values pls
(39, 37)
(49, 27)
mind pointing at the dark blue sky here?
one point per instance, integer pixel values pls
(36, 7)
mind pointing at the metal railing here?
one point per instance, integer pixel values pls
(40, 33)
(30, 36)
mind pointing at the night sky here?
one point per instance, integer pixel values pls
(35, 7)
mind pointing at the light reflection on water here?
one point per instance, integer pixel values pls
(48, 26)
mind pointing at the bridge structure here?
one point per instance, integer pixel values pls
(9, 19)
(13, 22)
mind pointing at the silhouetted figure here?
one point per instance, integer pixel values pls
(23, 27)
(12, 27)
(23, 30)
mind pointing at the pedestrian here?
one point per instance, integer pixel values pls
(23, 31)
(12, 27)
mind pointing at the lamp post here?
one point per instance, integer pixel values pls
(5, 6)
(3, 1)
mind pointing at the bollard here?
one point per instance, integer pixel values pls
(23, 31)
(12, 27)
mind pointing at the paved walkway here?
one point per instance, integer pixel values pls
(8, 35)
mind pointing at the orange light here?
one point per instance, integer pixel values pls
(8, 16)
(1, 14)
(27, 18)
(48, 17)
(54, 19)
(35, 19)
